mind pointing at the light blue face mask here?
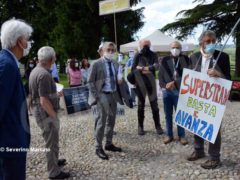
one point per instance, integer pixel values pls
(210, 48)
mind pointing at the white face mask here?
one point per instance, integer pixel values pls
(27, 50)
(31, 65)
(175, 52)
(108, 55)
(76, 64)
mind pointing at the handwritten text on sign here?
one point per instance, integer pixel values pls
(201, 104)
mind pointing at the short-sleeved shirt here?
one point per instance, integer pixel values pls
(41, 84)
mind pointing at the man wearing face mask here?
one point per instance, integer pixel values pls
(170, 74)
(45, 105)
(204, 61)
(144, 65)
(104, 81)
(14, 122)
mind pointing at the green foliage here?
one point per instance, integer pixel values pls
(73, 28)
(219, 16)
(63, 80)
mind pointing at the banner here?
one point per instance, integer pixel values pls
(202, 103)
(76, 99)
(113, 6)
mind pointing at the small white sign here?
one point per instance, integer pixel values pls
(113, 6)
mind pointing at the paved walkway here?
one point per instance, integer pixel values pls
(144, 157)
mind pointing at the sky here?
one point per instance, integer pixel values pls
(161, 12)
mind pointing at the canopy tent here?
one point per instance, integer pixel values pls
(159, 43)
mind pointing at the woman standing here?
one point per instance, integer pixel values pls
(31, 64)
(75, 74)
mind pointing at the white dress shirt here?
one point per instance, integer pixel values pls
(107, 83)
(205, 64)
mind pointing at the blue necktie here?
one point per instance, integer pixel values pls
(112, 82)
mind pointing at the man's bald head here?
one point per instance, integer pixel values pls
(144, 42)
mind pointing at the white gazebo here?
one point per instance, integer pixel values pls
(159, 43)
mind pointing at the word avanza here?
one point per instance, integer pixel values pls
(198, 126)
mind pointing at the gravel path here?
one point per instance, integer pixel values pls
(143, 157)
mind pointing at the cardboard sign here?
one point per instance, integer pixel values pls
(202, 103)
(76, 99)
(113, 6)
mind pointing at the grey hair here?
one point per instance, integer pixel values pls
(206, 33)
(107, 44)
(12, 30)
(45, 54)
(178, 43)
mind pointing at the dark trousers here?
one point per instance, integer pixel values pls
(213, 149)
(13, 168)
(133, 94)
(170, 100)
(148, 89)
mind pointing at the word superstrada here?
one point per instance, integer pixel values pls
(206, 90)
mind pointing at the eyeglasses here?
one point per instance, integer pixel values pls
(110, 50)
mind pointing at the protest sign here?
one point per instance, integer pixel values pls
(76, 99)
(201, 104)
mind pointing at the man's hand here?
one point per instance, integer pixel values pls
(139, 68)
(60, 94)
(120, 81)
(170, 85)
(213, 73)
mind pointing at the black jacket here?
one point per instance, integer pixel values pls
(223, 64)
(166, 70)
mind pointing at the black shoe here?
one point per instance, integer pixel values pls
(211, 164)
(62, 162)
(159, 130)
(140, 131)
(101, 154)
(195, 156)
(62, 175)
(113, 148)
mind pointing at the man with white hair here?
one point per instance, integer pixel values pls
(42, 89)
(170, 75)
(104, 81)
(14, 122)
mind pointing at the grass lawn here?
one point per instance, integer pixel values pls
(63, 80)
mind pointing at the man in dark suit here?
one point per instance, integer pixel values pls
(107, 87)
(205, 61)
(170, 75)
(14, 122)
(145, 64)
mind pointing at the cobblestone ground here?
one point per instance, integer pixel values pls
(143, 157)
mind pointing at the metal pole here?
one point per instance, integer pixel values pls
(235, 26)
(115, 28)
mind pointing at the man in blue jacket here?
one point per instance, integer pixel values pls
(14, 122)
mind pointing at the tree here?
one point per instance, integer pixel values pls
(73, 28)
(219, 16)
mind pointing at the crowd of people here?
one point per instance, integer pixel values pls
(107, 87)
